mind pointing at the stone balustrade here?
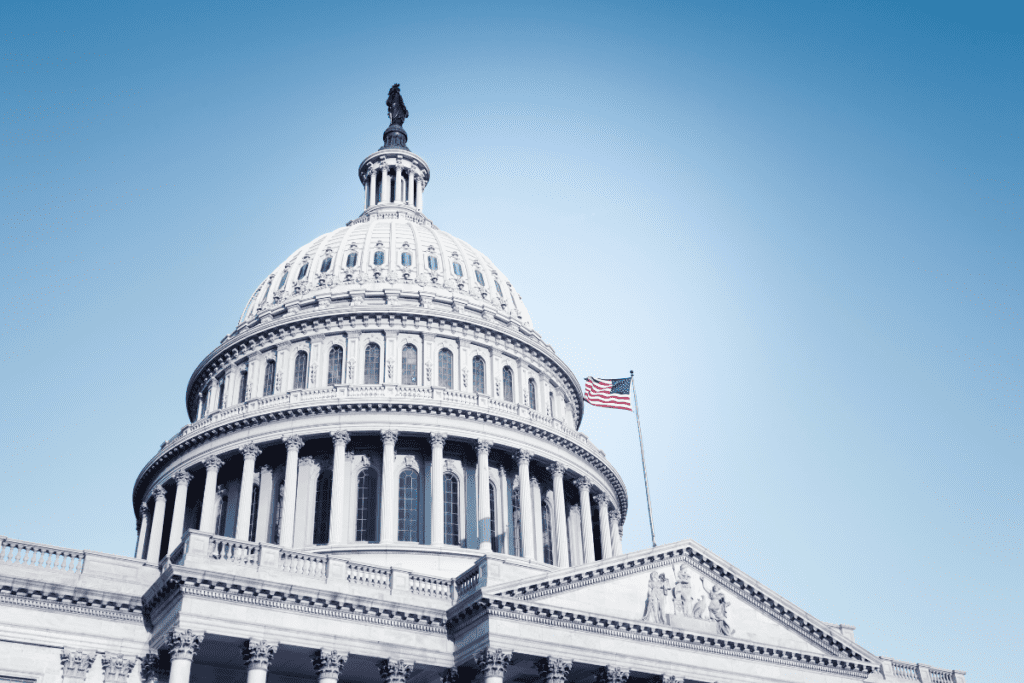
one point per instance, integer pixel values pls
(201, 550)
(893, 669)
(33, 555)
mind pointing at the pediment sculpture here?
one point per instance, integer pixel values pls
(674, 598)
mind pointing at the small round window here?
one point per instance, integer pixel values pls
(303, 270)
(378, 258)
(326, 265)
(351, 262)
(480, 279)
(457, 269)
(498, 287)
(284, 279)
(406, 258)
(432, 262)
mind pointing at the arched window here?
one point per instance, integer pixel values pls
(266, 292)
(378, 258)
(546, 532)
(351, 262)
(409, 505)
(533, 394)
(301, 364)
(371, 364)
(551, 404)
(406, 258)
(494, 535)
(326, 265)
(498, 287)
(220, 392)
(366, 506)
(322, 510)
(335, 366)
(254, 509)
(303, 270)
(284, 280)
(479, 379)
(506, 384)
(243, 382)
(221, 524)
(480, 279)
(409, 360)
(268, 378)
(432, 262)
(457, 269)
(445, 368)
(451, 509)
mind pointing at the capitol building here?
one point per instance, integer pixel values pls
(383, 481)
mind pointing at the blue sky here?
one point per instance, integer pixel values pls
(799, 223)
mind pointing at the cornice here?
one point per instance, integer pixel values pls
(179, 583)
(299, 314)
(276, 414)
(37, 598)
(652, 633)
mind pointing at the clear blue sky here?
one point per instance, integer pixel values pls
(799, 223)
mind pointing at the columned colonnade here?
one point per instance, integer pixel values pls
(546, 521)
(394, 183)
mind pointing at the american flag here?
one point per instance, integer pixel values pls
(608, 393)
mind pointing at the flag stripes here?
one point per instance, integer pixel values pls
(608, 393)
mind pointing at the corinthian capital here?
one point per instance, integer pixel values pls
(250, 451)
(583, 484)
(213, 463)
(293, 442)
(612, 674)
(117, 668)
(484, 446)
(143, 510)
(556, 469)
(601, 499)
(613, 515)
(524, 455)
(493, 662)
(159, 492)
(182, 478)
(329, 664)
(150, 671)
(184, 643)
(258, 654)
(395, 670)
(437, 439)
(75, 664)
(389, 437)
(341, 437)
(553, 669)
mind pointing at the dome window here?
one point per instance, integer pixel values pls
(406, 259)
(284, 279)
(371, 364)
(457, 269)
(498, 287)
(269, 376)
(303, 270)
(445, 366)
(480, 279)
(410, 361)
(301, 367)
(432, 262)
(351, 262)
(378, 258)
(479, 378)
(326, 265)
(265, 293)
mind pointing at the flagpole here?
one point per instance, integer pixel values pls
(643, 461)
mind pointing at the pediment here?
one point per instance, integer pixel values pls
(685, 588)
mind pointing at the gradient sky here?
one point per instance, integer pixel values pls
(799, 223)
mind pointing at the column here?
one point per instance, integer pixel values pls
(264, 505)
(602, 513)
(616, 532)
(501, 544)
(395, 670)
(574, 532)
(373, 188)
(244, 518)
(117, 668)
(483, 495)
(291, 476)
(437, 440)
(328, 665)
(389, 489)
(492, 663)
(336, 535)
(75, 664)
(538, 522)
(182, 478)
(306, 482)
(208, 516)
(613, 674)
(559, 522)
(149, 669)
(419, 192)
(183, 644)
(156, 532)
(526, 506)
(385, 184)
(553, 669)
(257, 655)
(587, 519)
(140, 545)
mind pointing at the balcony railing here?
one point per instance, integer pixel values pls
(920, 673)
(41, 556)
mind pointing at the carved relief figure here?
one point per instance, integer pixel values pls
(657, 591)
(718, 608)
(682, 593)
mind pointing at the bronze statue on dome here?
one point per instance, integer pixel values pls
(396, 107)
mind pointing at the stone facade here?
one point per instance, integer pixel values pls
(383, 480)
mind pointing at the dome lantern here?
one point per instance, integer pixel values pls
(394, 176)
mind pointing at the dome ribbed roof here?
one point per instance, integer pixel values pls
(389, 249)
